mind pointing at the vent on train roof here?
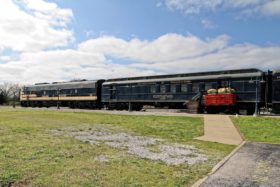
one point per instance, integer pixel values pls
(41, 83)
(78, 80)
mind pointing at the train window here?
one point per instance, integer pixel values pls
(202, 86)
(76, 91)
(153, 89)
(224, 84)
(173, 88)
(190, 87)
(208, 85)
(45, 93)
(178, 88)
(162, 88)
(123, 89)
(214, 85)
(237, 85)
(158, 88)
(134, 89)
(184, 88)
(167, 88)
(146, 89)
(82, 91)
(105, 90)
(250, 87)
(195, 87)
(143, 89)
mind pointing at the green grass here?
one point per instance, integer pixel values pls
(259, 129)
(32, 156)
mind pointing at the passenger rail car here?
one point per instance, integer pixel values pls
(253, 89)
(75, 94)
(174, 90)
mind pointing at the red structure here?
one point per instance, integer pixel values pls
(220, 99)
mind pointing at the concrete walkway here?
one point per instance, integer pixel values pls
(219, 128)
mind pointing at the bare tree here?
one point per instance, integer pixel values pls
(9, 92)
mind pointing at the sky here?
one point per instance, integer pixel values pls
(60, 40)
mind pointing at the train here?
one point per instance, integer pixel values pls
(254, 90)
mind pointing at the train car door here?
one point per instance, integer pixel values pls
(113, 92)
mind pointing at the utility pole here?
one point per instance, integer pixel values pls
(258, 83)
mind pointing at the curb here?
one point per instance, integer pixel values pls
(219, 165)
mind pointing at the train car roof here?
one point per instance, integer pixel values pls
(62, 85)
(188, 76)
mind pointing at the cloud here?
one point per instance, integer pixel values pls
(33, 25)
(208, 24)
(271, 8)
(167, 47)
(5, 58)
(245, 7)
(35, 37)
(192, 7)
(59, 65)
(170, 53)
(159, 4)
(232, 57)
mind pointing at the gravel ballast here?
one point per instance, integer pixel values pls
(145, 147)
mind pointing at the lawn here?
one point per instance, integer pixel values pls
(38, 149)
(259, 129)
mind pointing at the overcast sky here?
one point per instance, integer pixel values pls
(56, 40)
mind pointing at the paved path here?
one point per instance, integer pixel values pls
(253, 165)
(219, 128)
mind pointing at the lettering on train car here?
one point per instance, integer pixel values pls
(163, 97)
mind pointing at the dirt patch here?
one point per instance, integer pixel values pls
(171, 154)
(2, 130)
(102, 158)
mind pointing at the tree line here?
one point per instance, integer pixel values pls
(9, 93)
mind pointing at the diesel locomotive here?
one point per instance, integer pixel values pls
(74, 94)
(253, 90)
